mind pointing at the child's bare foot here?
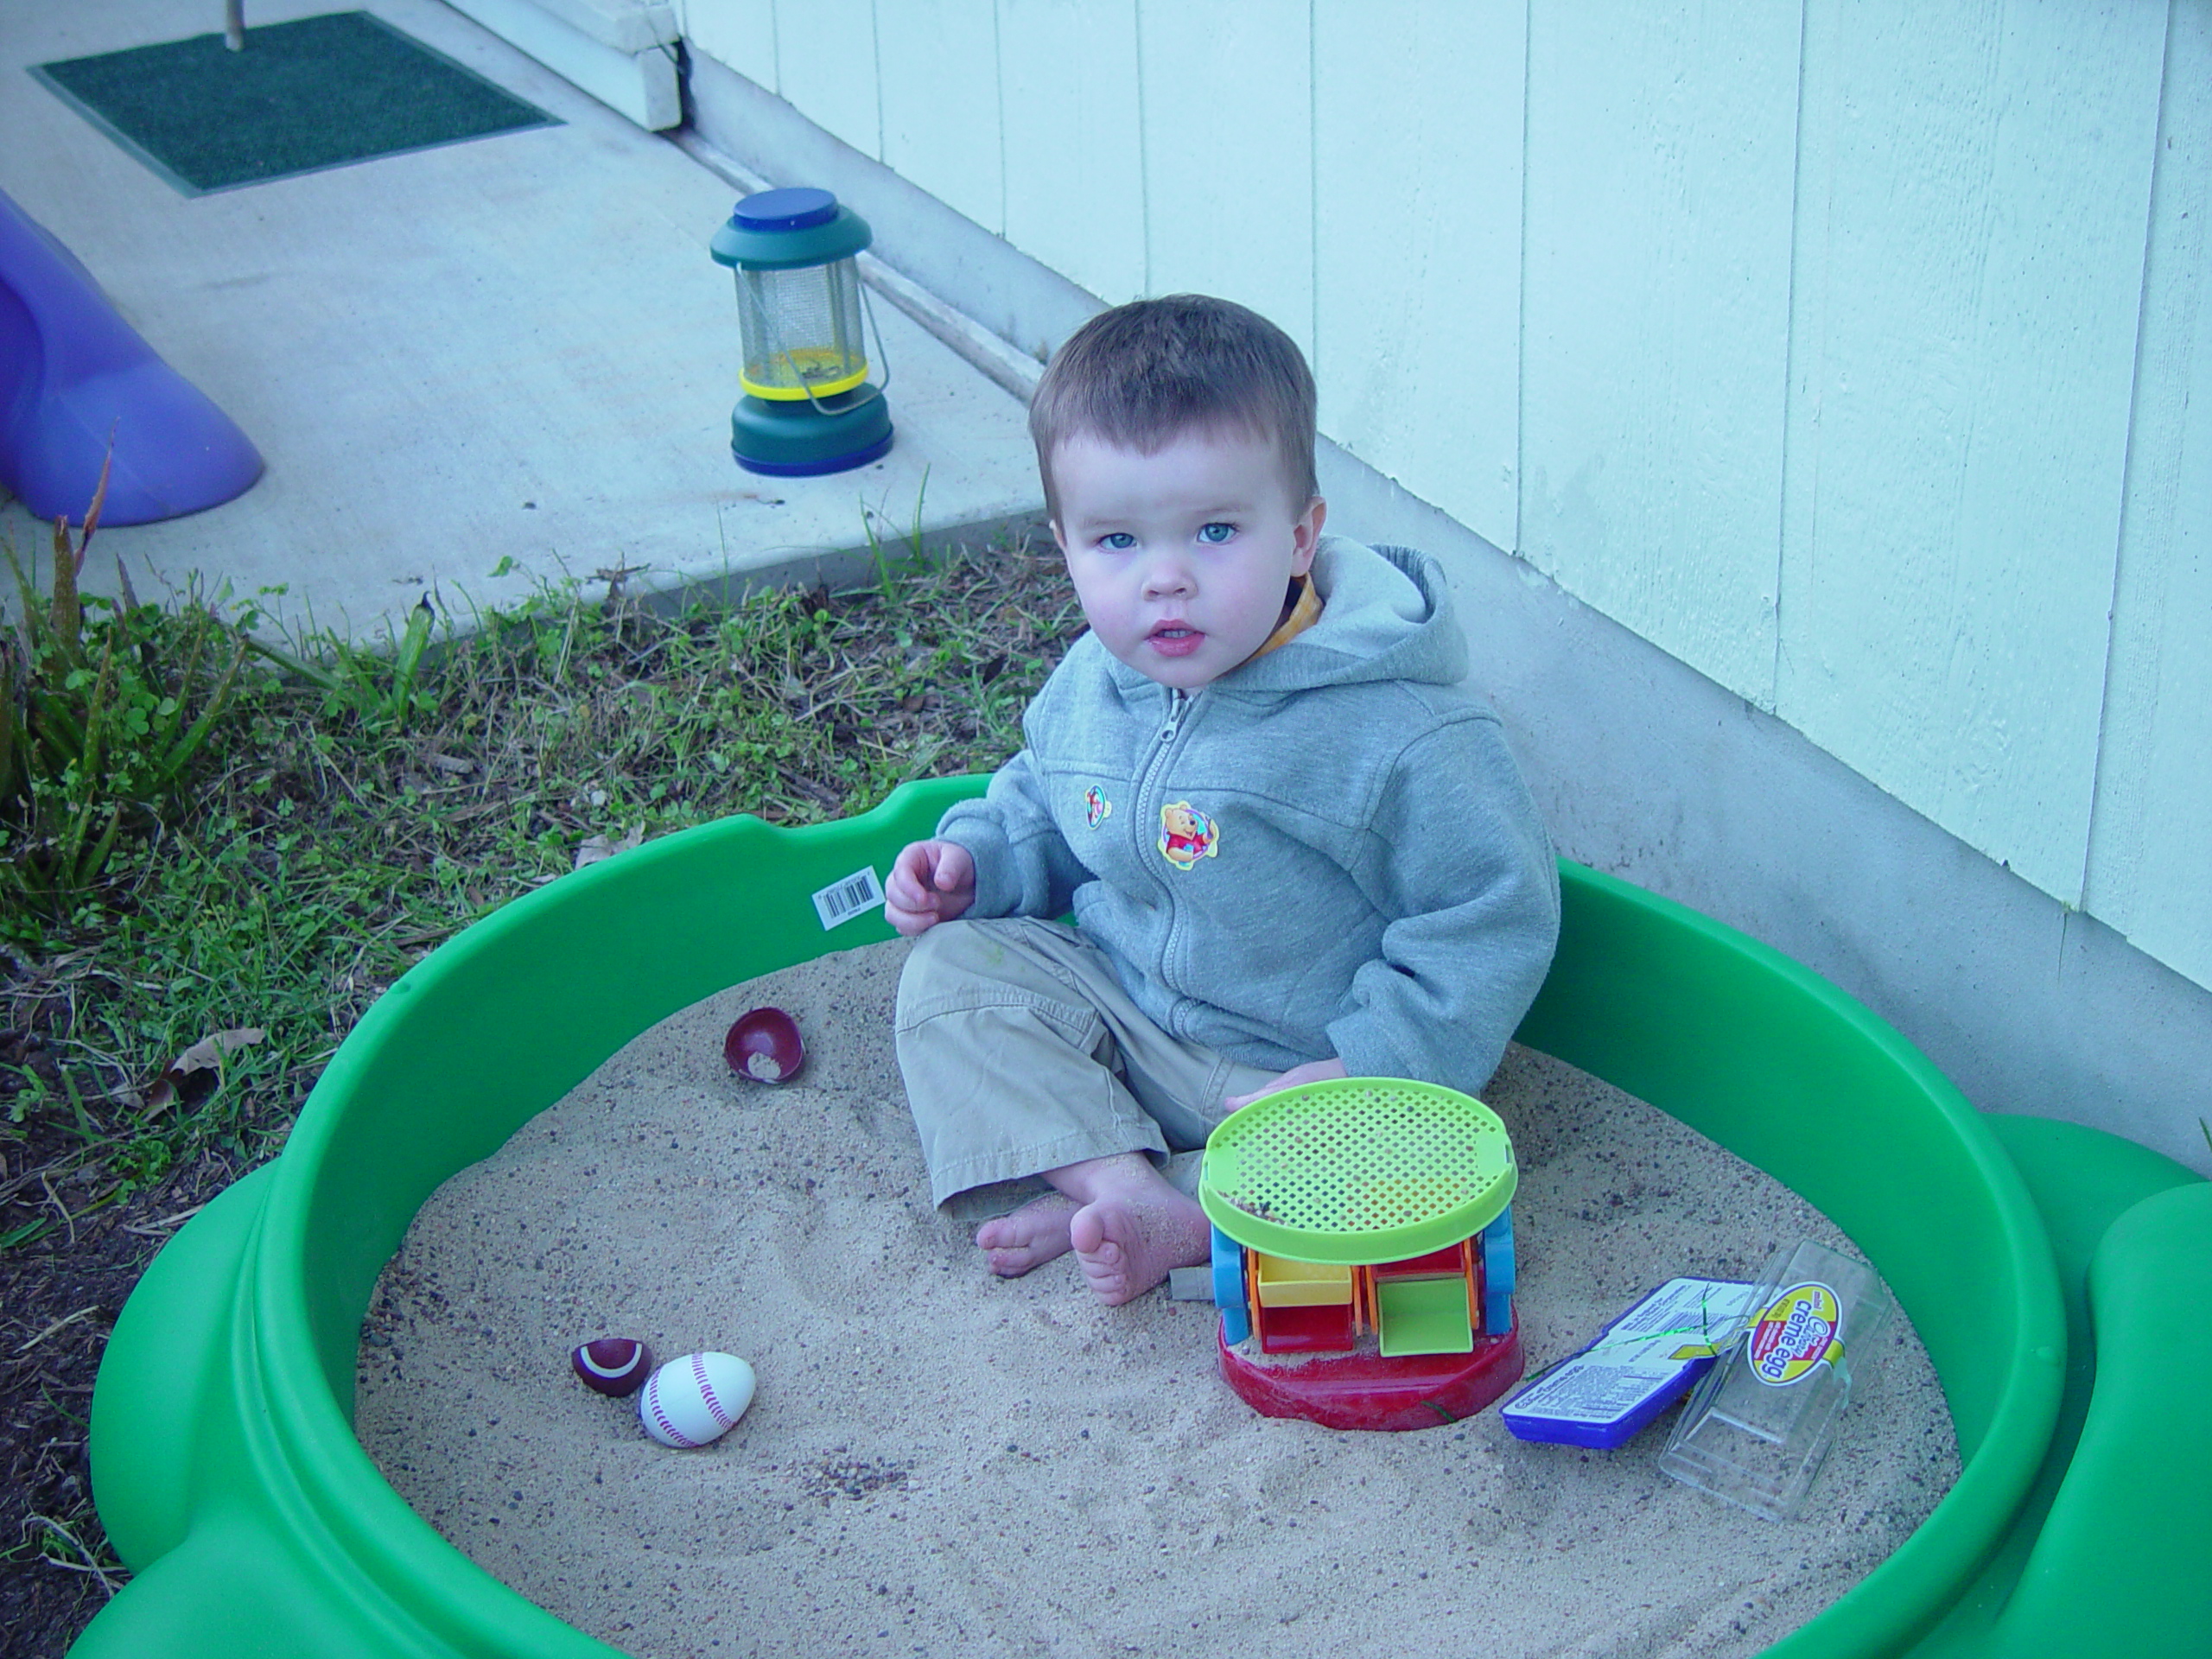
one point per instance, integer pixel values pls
(1127, 1225)
(1030, 1236)
(1127, 1242)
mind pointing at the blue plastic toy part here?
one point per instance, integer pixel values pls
(1605, 1393)
(1229, 1287)
(1498, 1273)
(794, 209)
(843, 462)
(75, 378)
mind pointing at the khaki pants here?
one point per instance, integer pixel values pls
(1022, 1053)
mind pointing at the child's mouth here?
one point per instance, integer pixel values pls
(1175, 640)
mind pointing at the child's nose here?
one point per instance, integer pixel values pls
(1167, 579)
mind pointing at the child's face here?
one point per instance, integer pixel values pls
(1181, 558)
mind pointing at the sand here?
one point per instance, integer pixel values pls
(939, 1462)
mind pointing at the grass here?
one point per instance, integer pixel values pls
(332, 837)
(346, 812)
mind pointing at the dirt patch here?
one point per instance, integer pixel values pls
(61, 1293)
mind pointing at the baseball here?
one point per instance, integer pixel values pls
(696, 1400)
(613, 1365)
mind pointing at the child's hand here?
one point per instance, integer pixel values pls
(931, 881)
(1312, 1071)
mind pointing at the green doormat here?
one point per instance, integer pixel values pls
(303, 96)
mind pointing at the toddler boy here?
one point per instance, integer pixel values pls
(1292, 847)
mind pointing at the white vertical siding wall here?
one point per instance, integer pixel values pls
(1072, 113)
(1974, 235)
(826, 68)
(1418, 112)
(1655, 319)
(2151, 835)
(1229, 154)
(1857, 352)
(932, 56)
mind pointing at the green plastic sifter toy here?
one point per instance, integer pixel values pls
(1357, 1170)
(1363, 1253)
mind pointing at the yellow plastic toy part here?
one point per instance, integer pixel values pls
(1300, 1284)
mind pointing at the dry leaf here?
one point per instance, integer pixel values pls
(209, 1050)
(597, 847)
(192, 1077)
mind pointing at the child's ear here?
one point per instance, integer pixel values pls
(1305, 535)
(1058, 540)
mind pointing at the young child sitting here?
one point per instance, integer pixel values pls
(1293, 849)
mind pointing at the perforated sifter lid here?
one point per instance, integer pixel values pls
(1357, 1170)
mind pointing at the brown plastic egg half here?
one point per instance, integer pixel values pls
(764, 1045)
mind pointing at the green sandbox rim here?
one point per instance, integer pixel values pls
(222, 1455)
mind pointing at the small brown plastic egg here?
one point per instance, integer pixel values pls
(764, 1045)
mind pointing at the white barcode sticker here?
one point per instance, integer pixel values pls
(856, 895)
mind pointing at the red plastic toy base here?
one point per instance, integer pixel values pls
(1367, 1391)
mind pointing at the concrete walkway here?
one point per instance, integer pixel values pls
(508, 355)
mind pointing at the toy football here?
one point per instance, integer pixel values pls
(613, 1365)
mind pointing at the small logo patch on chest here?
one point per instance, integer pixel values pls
(1097, 808)
(1187, 834)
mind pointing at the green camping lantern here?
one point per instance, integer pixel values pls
(809, 406)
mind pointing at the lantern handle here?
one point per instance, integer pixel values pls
(867, 308)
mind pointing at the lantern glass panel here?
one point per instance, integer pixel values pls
(801, 330)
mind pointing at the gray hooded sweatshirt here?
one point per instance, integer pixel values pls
(1326, 851)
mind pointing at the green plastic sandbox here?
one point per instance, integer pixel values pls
(226, 1471)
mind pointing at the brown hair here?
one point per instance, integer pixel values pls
(1144, 373)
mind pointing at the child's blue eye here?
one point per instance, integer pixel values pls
(1216, 533)
(1120, 540)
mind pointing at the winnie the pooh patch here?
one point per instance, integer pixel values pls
(1187, 834)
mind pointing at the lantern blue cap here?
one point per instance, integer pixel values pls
(787, 229)
(796, 208)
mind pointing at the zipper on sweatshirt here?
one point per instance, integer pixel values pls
(1170, 727)
(1151, 797)
(1178, 701)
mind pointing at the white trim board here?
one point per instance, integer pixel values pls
(621, 51)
